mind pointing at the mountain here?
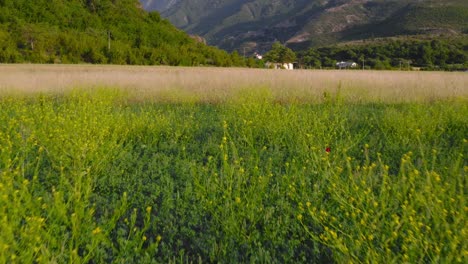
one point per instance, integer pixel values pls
(255, 24)
(159, 5)
(97, 31)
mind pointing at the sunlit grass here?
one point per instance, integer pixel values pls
(220, 84)
(243, 175)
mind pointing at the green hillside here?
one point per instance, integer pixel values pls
(97, 31)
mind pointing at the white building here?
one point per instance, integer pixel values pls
(286, 66)
(346, 64)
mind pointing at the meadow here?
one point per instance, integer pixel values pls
(158, 164)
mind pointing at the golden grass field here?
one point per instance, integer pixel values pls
(214, 84)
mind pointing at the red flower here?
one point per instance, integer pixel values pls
(328, 149)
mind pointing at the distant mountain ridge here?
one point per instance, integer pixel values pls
(159, 5)
(255, 24)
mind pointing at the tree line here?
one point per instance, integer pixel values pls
(394, 54)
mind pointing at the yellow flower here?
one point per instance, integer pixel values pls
(238, 199)
(158, 238)
(148, 209)
(299, 217)
(97, 230)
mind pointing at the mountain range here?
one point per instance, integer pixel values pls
(253, 25)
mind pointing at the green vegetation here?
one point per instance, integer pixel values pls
(97, 31)
(445, 54)
(280, 54)
(91, 177)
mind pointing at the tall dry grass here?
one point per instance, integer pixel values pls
(215, 84)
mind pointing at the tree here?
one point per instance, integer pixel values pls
(287, 55)
(274, 54)
(280, 54)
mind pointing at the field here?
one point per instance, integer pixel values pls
(155, 165)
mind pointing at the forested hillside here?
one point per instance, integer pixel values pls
(97, 31)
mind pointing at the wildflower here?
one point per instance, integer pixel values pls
(238, 199)
(158, 238)
(299, 217)
(328, 149)
(97, 230)
(148, 209)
